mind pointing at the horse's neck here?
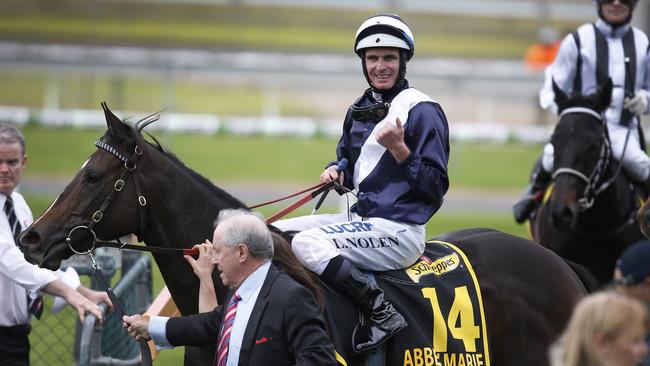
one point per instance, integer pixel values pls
(182, 209)
(180, 213)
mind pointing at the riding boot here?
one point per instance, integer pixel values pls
(533, 194)
(382, 321)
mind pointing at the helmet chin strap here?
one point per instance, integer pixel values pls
(399, 81)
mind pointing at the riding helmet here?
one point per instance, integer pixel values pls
(384, 30)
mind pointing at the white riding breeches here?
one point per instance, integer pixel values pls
(373, 244)
(635, 161)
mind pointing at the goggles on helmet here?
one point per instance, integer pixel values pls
(373, 113)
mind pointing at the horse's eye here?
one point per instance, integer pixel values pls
(93, 177)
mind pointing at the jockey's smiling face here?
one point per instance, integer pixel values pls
(383, 67)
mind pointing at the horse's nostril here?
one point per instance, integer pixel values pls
(31, 237)
(563, 216)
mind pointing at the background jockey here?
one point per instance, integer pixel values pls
(608, 48)
(396, 141)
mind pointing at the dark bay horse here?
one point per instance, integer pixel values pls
(589, 216)
(132, 186)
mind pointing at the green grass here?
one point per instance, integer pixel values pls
(60, 152)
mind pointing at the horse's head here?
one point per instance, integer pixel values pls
(581, 153)
(103, 184)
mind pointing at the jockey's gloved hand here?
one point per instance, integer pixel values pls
(638, 104)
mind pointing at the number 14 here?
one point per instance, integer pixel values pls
(460, 321)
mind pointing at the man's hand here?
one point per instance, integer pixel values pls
(638, 104)
(75, 299)
(204, 265)
(392, 138)
(331, 174)
(97, 297)
(84, 306)
(137, 326)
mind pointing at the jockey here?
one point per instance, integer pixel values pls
(396, 141)
(608, 48)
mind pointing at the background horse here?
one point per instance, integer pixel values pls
(528, 292)
(589, 216)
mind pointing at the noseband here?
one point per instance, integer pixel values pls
(594, 181)
(130, 165)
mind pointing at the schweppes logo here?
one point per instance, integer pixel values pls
(438, 267)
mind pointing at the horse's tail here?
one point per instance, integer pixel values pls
(284, 258)
(588, 280)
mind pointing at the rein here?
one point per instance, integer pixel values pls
(130, 165)
(315, 191)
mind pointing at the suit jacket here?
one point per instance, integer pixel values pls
(286, 327)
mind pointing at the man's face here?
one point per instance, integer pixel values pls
(228, 260)
(12, 163)
(382, 65)
(615, 12)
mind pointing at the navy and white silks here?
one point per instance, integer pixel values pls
(385, 229)
(619, 54)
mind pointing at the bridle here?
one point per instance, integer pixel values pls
(595, 182)
(130, 164)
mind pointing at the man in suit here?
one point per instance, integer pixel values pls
(268, 319)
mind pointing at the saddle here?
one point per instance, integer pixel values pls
(439, 296)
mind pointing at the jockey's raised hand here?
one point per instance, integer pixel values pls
(391, 136)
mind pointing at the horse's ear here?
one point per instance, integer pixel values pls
(116, 127)
(561, 99)
(112, 122)
(604, 95)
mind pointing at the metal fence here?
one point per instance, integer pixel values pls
(60, 339)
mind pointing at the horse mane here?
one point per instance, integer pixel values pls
(283, 256)
(203, 181)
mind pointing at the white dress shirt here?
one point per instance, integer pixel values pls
(249, 290)
(17, 276)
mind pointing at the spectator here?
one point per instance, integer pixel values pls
(605, 329)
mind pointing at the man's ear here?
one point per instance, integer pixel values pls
(242, 252)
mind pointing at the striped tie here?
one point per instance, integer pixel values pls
(34, 305)
(226, 329)
(13, 220)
